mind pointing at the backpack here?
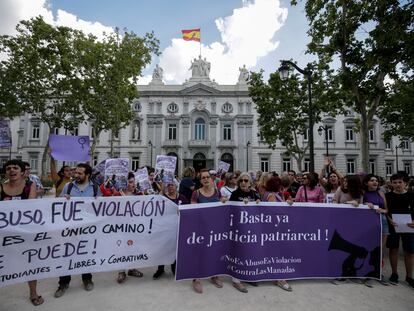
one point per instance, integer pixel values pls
(95, 189)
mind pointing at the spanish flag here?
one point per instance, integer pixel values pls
(191, 34)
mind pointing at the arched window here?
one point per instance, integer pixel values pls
(200, 129)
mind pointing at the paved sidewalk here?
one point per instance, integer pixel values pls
(166, 294)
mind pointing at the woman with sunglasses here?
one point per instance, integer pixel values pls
(16, 188)
(310, 191)
(244, 193)
(206, 194)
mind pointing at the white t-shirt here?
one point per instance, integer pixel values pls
(226, 191)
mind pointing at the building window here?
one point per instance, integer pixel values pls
(227, 108)
(330, 134)
(137, 106)
(172, 108)
(407, 167)
(405, 144)
(200, 129)
(136, 130)
(56, 131)
(264, 164)
(371, 135)
(306, 135)
(135, 163)
(35, 131)
(349, 134)
(372, 166)
(172, 131)
(75, 132)
(388, 145)
(286, 165)
(33, 164)
(388, 168)
(227, 131)
(95, 160)
(350, 166)
(306, 165)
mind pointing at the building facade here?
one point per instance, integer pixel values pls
(201, 122)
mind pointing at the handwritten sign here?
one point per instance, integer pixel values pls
(52, 237)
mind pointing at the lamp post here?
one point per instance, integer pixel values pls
(325, 129)
(247, 155)
(150, 145)
(284, 71)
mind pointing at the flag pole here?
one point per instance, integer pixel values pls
(200, 41)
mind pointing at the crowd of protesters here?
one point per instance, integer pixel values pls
(330, 186)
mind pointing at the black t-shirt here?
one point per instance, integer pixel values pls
(239, 195)
(400, 203)
(293, 189)
(185, 187)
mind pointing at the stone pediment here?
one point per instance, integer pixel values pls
(199, 89)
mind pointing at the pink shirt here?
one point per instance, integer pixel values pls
(314, 195)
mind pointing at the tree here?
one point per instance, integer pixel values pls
(110, 71)
(397, 114)
(370, 38)
(39, 75)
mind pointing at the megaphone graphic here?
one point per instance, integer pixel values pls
(354, 251)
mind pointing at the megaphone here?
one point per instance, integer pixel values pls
(354, 251)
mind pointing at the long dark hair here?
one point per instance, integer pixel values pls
(366, 179)
(354, 186)
(61, 175)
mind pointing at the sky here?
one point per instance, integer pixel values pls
(234, 33)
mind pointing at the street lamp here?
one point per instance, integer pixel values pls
(150, 145)
(247, 155)
(324, 128)
(284, 72)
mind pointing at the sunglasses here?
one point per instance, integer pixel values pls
(244, 180)
(205, 177)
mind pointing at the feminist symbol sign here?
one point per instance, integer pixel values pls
(82, 141)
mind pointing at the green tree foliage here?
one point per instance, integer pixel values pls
(369, 39)
(63, 77)
(398, 114)
(110, 70)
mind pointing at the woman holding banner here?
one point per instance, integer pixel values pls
(206, 194)
(16, 188)
(273, 194)
(61, 178)
(131, 189)
(170, 192)
(244, 193)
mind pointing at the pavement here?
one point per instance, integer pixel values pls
(167, 294)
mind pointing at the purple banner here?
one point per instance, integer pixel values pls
(69, 148)
(271, 241)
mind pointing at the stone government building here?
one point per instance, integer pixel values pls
(201, 122)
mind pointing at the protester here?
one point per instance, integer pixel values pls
(272, 194)
(373, 197)
(80, 187)
(40, 191)
(206, 194)
(155, 185)
(18, 188)
(187, 183)
(293, 185)
(244, 193)
(130, 190)
(310, 191)
(171, 193)
(350, 192)
(400, 201)
(261, 184)
(229, 186)
(61, 178)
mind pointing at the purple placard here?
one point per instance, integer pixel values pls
(69, 148)
(273, 241)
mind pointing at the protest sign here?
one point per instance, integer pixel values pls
(5, 134)
(142, 180)
(117, 171)
(165, 168)
(98, 173)
(223, 167)
(54, 237)
(69, 148)
(275, 241)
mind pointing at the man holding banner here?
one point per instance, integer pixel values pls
(81, 187)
